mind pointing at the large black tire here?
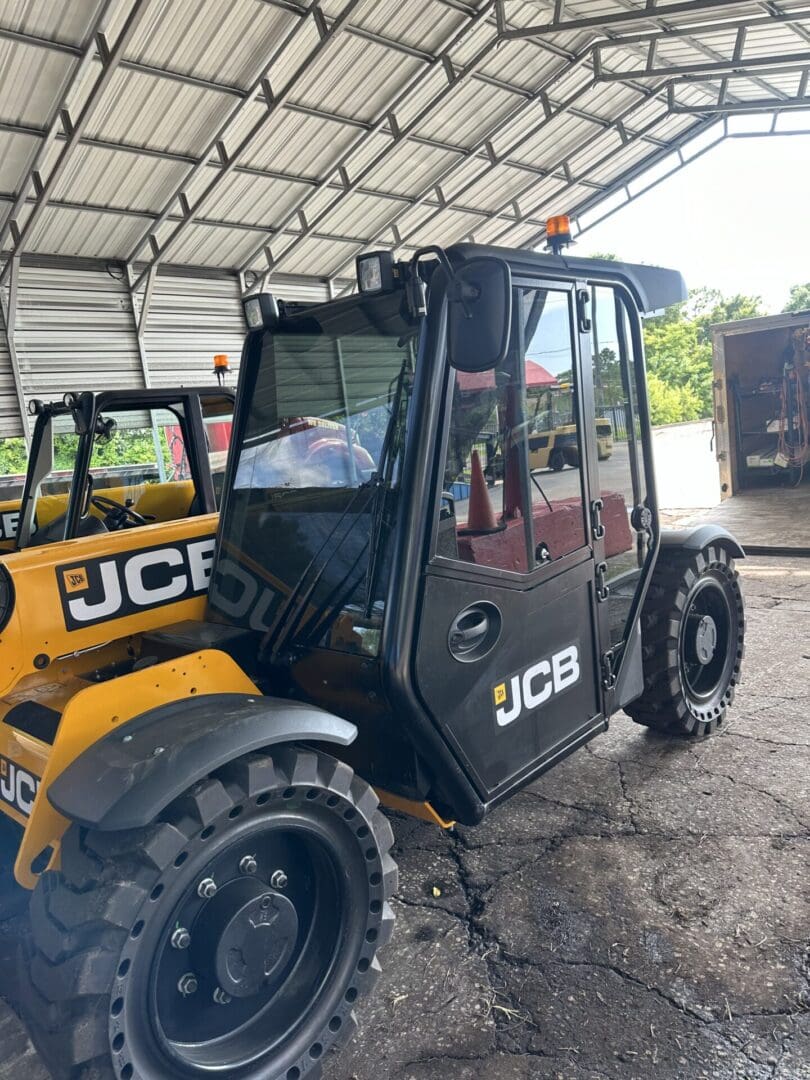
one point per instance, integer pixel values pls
(13, 898)
(104, 1001)
(688, 686)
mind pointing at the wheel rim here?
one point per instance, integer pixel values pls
(705, 651)
(261, 956)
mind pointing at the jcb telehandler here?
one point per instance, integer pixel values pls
(196, 799)
(131, 457)
(102, 463)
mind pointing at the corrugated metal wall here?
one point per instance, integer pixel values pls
(190, 319)
(75, 330)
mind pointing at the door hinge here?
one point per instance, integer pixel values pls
(597, 528)
(602, 588)
(608, 673)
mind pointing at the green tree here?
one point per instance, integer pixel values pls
(13, 456)
(678, 345)
(681, 361)
(671, 404)
(799, 299)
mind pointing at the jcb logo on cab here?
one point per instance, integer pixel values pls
(537, 684)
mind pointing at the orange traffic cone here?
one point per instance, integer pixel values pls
(481, 515)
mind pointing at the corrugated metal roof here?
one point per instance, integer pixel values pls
(281, 134)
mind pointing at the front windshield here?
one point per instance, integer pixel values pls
(315, 481)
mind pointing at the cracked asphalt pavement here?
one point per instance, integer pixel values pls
(641, 911)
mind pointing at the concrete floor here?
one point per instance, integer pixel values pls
(642, 911)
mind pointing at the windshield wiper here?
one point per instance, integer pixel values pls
(382, 483)
(299, 597)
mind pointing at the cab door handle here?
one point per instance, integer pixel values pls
(474, 631)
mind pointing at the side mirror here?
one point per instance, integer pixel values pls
(480, 315)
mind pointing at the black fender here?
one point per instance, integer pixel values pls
(126, 779)
(697, 537)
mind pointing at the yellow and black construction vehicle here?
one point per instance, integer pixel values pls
(193, 775)
(100, 464)
(117, 459)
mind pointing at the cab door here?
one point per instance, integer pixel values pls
(507, 656)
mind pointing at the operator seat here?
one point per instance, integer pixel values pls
(54, 531)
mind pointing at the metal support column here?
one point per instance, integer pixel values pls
(139, 318)
(9, 306)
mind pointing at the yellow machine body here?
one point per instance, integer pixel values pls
(79, 609)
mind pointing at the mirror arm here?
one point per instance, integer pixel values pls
(415, 288)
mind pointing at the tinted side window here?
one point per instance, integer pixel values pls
(512, 475)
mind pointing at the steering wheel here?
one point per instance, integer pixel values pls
(118, 515)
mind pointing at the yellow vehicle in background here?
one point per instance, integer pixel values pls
(121, 488)
(101, 462)
(553, 443)
(604, 439)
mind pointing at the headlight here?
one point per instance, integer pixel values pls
(375, 272)
(261, 311)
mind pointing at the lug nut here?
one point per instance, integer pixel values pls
(207, 888)
(181, 938)
(220, 997)
(188, 984)
(248, 865)
(279, 879)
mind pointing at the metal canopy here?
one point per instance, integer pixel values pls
(286, 136)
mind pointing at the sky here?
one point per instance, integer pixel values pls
(736, 219)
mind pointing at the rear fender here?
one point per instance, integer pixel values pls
(699, 537)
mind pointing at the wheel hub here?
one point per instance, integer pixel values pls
(253, 931)
(705, 639)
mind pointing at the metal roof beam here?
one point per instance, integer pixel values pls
(735, 23)
(74, 135)
(753, 107)
(240, 226)
(54, 128)
(652, 9)
(754, 65)
(382, 124)
(211, 223)
(326, 37)
(747, 105)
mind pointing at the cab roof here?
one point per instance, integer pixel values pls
(653, 287)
